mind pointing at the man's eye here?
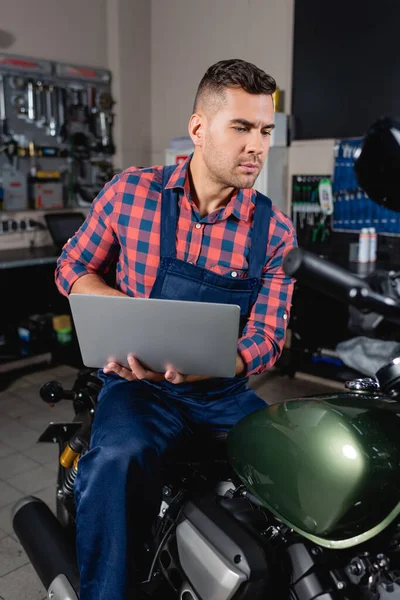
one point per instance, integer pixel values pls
(241, 129)
(267, 132)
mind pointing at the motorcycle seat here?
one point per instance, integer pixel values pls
(203, 446)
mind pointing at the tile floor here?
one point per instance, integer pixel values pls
(30, 468)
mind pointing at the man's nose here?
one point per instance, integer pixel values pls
(257, 143)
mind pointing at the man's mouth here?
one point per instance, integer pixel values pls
(249, 167)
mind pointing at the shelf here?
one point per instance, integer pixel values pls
(26, 257)
(25, 361)
(43, 211)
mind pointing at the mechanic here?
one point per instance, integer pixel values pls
(216, 235)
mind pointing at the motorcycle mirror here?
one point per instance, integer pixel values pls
(52, 392)
(377, 166)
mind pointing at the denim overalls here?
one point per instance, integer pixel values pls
(118, 489)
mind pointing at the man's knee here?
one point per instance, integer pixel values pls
(122, 452)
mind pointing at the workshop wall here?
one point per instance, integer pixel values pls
(114, 34)
(68, 31)
(129, 47)
(188, 36)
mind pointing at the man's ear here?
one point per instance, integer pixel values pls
(196, 128)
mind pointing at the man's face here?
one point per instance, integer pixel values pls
(237, 138)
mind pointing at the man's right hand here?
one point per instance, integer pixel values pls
(135, 371)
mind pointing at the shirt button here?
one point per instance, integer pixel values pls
(198, 225)
(234, 274)
(285, 316)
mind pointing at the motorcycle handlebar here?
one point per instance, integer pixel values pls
(335, 281)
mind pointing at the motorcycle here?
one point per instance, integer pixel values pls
(300, 501)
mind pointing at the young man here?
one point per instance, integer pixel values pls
(185, 232)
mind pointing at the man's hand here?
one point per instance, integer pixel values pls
(137, 371)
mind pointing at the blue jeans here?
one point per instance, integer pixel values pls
(118, 487)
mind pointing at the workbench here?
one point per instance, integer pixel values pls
(27, 287)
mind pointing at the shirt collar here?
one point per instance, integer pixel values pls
(240, 205)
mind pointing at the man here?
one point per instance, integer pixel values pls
(215, 238)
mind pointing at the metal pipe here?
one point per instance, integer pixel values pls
(44, 540)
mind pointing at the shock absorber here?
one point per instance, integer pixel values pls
(75, 446)
(70, 456)
(69, 481)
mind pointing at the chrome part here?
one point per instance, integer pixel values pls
(366, 384)
(69, 482)
(222, 487)
(163, 508)
(210, 573)
(187, 592)
(61, 589)
(389, 377)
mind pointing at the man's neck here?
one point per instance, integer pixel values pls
(208, 195)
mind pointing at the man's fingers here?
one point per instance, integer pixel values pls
(137, 369)
(174, 377)
(141, 372)
(119, 370)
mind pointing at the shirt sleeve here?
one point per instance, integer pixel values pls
(93, 248)
(264, 334)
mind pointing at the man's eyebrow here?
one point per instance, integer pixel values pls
(250, 124)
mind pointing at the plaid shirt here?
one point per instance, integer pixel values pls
(124, 224)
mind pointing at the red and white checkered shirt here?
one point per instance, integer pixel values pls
(124, 224)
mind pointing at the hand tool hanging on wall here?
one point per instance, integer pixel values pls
(31, 101)
(3, 115)
(62, 113)
(93, 112)
(105, 140)
(40, 104)
(106, 121)
(50, 110)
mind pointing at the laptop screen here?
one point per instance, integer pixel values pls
(63, 226)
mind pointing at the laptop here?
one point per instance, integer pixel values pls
(195, 338)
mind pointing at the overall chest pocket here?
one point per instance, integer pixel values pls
(229, 271)
(211, 288)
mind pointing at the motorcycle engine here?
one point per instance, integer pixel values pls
(228, 547)
(217, 548)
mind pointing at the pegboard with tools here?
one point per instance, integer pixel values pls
(312, 208)
(353, 210)
(56, 133)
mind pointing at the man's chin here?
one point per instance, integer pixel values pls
(247, 182)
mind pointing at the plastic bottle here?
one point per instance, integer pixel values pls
(373, 239)
(363, 245)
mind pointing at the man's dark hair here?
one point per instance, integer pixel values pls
(233, 74)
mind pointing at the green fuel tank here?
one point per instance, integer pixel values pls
(327, 466)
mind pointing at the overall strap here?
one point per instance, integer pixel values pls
(260, 235)
(169, 212)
